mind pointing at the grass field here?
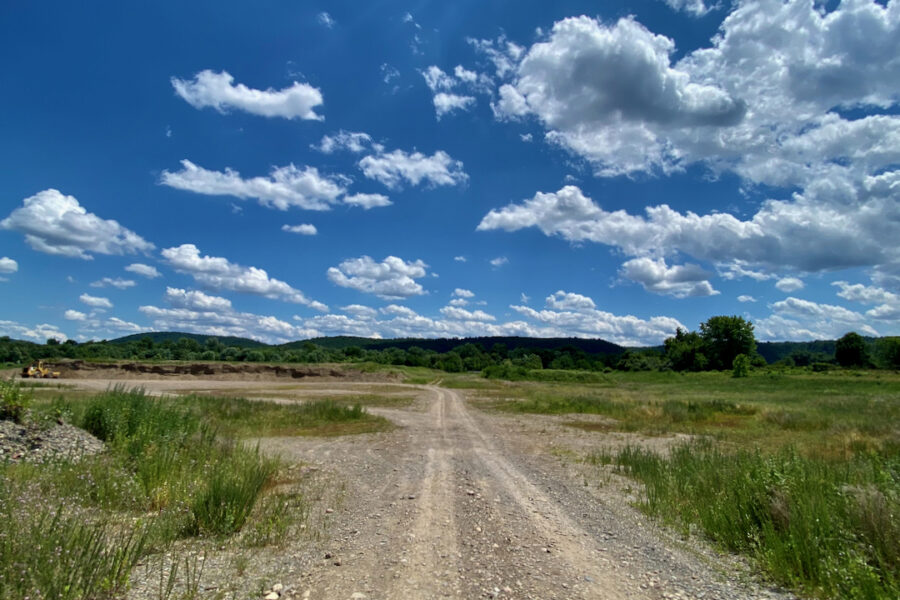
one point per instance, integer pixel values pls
(173, 471)
(798, 470)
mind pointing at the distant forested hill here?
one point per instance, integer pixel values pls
(441, 345)
(775, 351)
(159, 337)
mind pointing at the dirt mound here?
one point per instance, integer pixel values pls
(79, 369)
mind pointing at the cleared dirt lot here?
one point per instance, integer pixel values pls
(457, 502)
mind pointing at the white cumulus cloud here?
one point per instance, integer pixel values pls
(353, 141)
(799, 234)
(326, 20)
(143, 270)
(696, 8)
(217, 90)
(789, 284)
(95, 301)
(302, 229)
(680, 281)
(116, 282)
(611, 94)
(393, 278)
(799, 319)
(561, 300)
(360, 311)
(461, 314)
(442, 86)
(218, 273)
(39, 333)
(285, 187)
(445, 103)
(368, 201)
(574, 315)
(57, 224)
(394, 168)
(213, 315)
(196, 300)
(8, 265)
(761, 100)
(888, 303)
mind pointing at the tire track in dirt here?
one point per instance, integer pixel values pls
(562, 559)
(430, 558)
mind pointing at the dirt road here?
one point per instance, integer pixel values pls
(463, 503)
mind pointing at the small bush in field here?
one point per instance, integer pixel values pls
(741, 366)
(13, 401)
(231, 490)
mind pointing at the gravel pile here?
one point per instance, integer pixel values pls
(32, 443)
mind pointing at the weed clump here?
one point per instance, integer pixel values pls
(829, 530)
(232, 487)
(14, 401)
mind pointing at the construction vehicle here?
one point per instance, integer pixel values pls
(37, 370)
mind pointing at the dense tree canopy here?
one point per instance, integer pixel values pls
(850, 351)
(725, 338)
(889, 352)
(686, 351)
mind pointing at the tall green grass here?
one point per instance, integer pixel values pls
(47, 553)
(240, 417)
(232, 486)
(58, 537)
(829, 529)
(834, 414)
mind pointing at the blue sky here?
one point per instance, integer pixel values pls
(287, 170)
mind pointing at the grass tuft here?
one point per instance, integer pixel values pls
(232, 487)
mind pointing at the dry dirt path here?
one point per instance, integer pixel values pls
(461, 503)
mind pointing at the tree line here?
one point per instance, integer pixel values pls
(721, 343)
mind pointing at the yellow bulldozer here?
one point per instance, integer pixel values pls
(37, 370)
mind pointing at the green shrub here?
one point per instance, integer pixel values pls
(511, 372)
(14, 402)
(821, 367)
(740, 367)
